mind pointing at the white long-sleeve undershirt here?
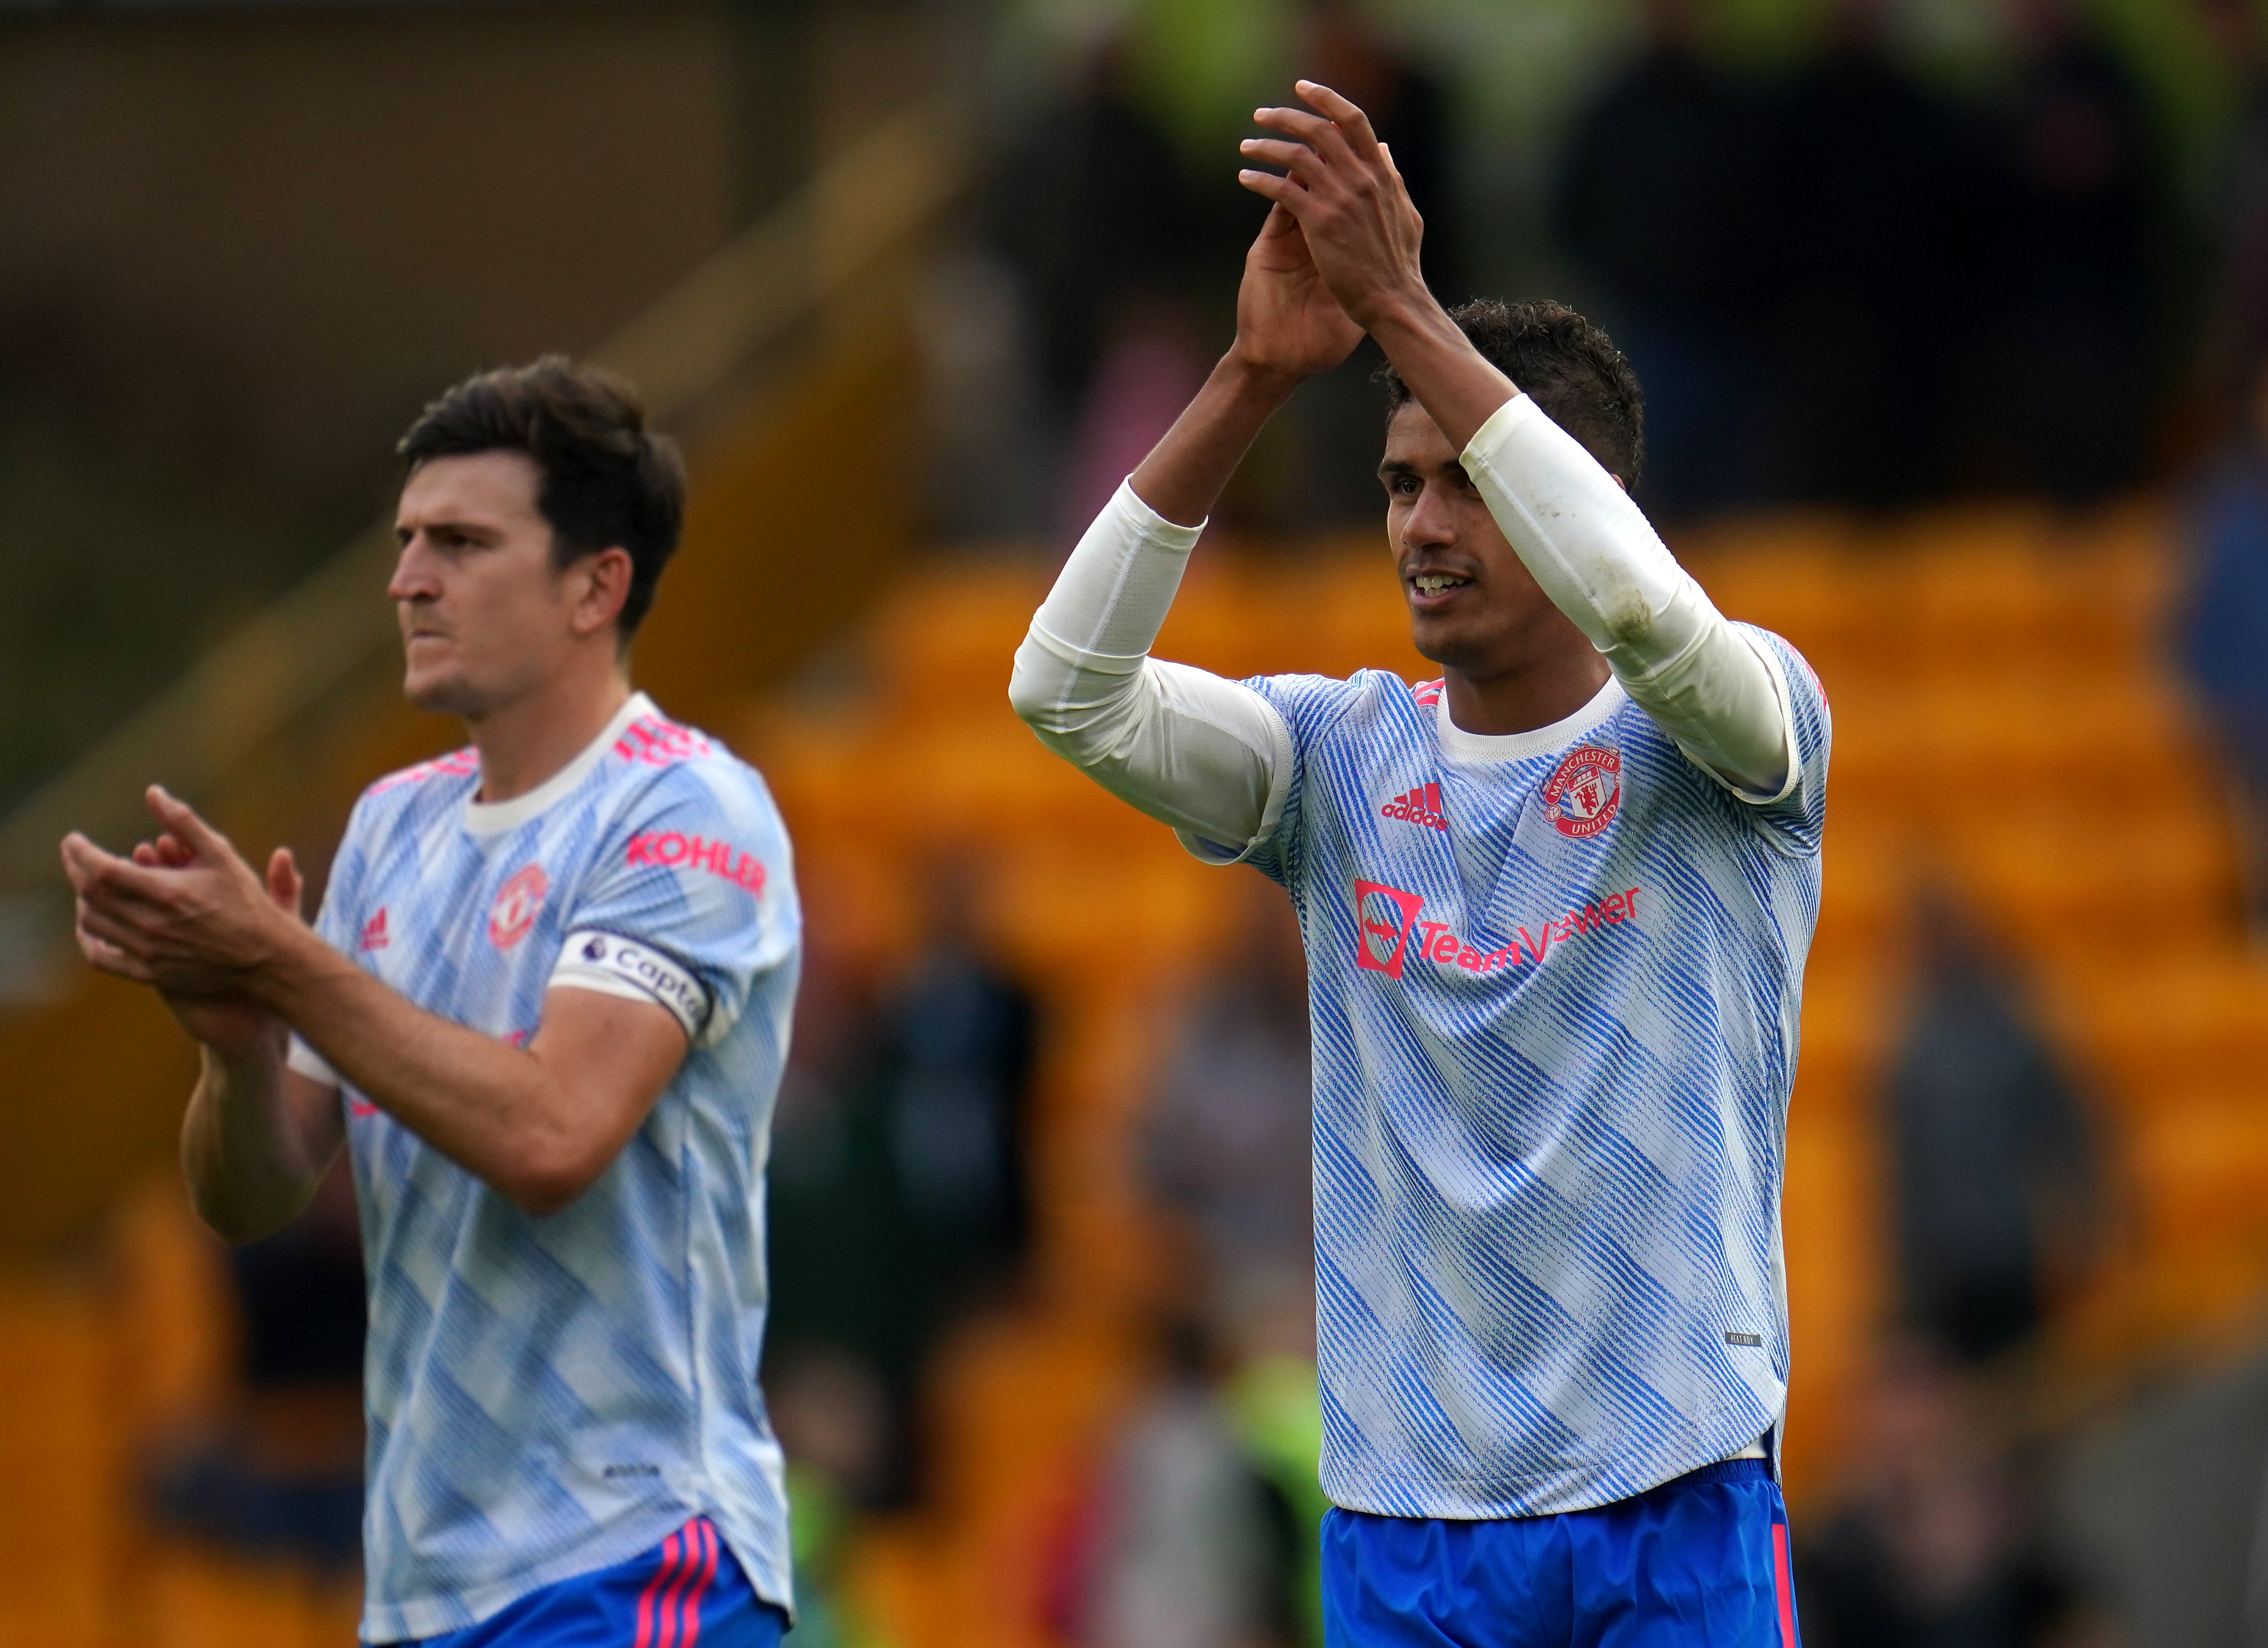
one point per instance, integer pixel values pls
(1206, 755)
(1212, 758)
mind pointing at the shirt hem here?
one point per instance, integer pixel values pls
(1500, 1499)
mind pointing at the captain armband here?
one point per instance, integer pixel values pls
(615, 965)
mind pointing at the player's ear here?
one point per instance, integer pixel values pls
(605, 585)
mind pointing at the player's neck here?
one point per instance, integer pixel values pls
(1544, 686)
(525, 742)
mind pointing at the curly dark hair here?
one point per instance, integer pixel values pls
(1570, 367)
(608, 480)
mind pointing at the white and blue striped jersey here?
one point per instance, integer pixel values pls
(1554, 982)
(549, 1396)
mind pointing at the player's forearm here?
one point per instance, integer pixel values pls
(1454, 383)
(1202, 753)
(1594, 554)
(249, 1168)
(490, 1107)
(1186, 471)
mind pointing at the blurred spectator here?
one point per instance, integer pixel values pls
(2162, 1499)
(836, 1223)
(1344, 48)
(1336, 422)
(1935, 1547)
(1092, 209)
(2074, 178)
(1993, 1171)
(1275, 1409)
(964, 1035)
(1656, 201)
(2235, 339)
(1152, 360)
(898, 1188)
(1227, 1143)
(2225, 635)
(987, 454)
(831, 1414)
(1871, 283)
(1185, 1543)
(279, 1472)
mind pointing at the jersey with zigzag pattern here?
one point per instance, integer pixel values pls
(551, 1396)
(1554, 1041)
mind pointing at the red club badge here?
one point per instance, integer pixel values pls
(518, 902)
(1585, 792)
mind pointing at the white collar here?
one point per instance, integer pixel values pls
(1460, 745)
(488, 817)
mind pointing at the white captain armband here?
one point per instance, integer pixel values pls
(615, 965)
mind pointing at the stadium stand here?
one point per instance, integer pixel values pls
(2005, 724)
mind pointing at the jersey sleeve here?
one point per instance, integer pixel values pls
(1306, 704)
(691, 901)
(334, 926)
(1794, 820)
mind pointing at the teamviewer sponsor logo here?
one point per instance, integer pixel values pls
(1382, 916)
(1386, 919)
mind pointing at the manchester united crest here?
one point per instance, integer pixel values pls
(517, 902)
(1585, 792)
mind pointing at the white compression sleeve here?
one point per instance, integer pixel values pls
(1593, 552)
(1208, 756)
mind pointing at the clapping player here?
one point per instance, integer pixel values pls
(544, 1009)
(1556, 906)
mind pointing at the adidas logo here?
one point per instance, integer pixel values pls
(373, 931)
(1421, 805)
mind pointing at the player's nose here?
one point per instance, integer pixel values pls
(416, 574)
(1430, 523)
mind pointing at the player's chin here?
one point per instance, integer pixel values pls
(438, 690)
(1439, 637)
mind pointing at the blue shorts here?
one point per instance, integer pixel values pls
(1697, 1563)
(688, 1590)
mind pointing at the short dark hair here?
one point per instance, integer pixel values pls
(1570, 367)
(608, 480)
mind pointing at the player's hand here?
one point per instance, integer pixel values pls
(1355, 214)
(233, 1026)
(1287, 322)
(187, 915)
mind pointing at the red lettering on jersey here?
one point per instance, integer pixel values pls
(518, 902)
(373, 931)
(719, 858)
(1386, 919)
(1421, 805)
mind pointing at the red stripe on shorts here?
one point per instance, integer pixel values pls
(669, 1553)
(674, 1598)
(700, 1586)
(1787, 1590)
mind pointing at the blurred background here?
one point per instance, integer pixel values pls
(1953, 316)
